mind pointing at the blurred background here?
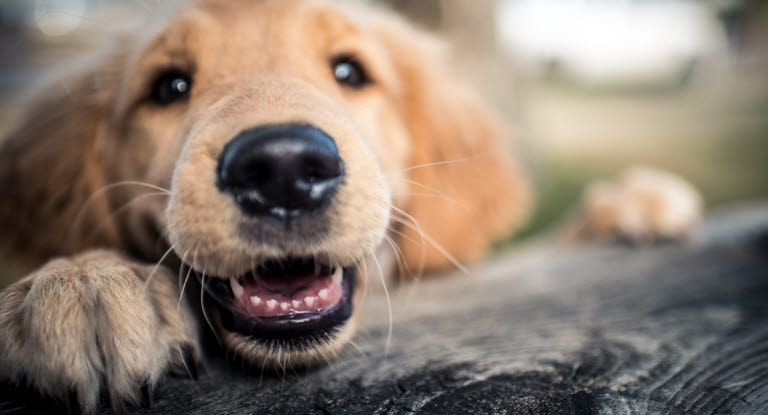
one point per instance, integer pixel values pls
(589, 85)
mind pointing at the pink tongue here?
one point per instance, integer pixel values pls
(277, 298)
(287, 284)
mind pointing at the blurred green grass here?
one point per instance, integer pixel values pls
(726, 172)
(717, 138)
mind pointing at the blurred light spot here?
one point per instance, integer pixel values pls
(610, 40)
(58, 17)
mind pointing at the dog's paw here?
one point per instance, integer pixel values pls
(643, 205)
(93, 326)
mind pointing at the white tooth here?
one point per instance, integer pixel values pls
(323, 294)
(309, 300)
(237, 289)
(255, 300)
(296, 303)
(271, 304)
(337, 275)
(284, 306)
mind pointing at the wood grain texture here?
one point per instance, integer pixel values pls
(674, 329)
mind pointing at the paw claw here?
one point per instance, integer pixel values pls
(146, 395)
(191, 360)
(71, 403)
(115, 406)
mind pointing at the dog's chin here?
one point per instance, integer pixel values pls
(286, 308)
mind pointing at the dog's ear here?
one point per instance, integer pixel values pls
(50, 167)
(465, 189)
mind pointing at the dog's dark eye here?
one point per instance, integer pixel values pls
(171, 86)
(349, 72)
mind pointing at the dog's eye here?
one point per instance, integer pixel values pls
(349, 72)
(171, 86)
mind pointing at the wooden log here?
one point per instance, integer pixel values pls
(674, 328)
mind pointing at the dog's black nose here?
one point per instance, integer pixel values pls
(280, 170)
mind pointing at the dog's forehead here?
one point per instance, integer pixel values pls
(245, 37)
(246, 28)
(219, 41)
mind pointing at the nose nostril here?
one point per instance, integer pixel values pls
(317, 168)
(280, 168)
(256, 173)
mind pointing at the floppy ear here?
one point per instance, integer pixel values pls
(50, 167)
(466, 191)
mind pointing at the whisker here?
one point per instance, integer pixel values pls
(328, 360)
(281, 362)
(184, 286)
(182, 258)
(408, 216)
(422, 234)
(418, 166)
(402, 235)
(436, 245)
(411, 291)
(202, 306)
(399, 257)
(117, 212)
(412, 286)
(151, 273)
(364, 267)
(184, 362)
(299, 377)
(358, 348)
(320, 351)
(389, 305)
(423, 186)
(105, 189)
(135, 183)
(446, 198)
(263, 366)
(420, 269)
(337, 355)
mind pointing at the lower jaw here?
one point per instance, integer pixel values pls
(300, 331)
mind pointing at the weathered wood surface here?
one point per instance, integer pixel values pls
(596, 329)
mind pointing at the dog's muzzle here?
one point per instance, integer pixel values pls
(282, 178)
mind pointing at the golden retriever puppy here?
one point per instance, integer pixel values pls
(268, 149)
(265, 148)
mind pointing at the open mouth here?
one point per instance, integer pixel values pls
(287, 299)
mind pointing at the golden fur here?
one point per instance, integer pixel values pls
(85, 168)
(100, 184)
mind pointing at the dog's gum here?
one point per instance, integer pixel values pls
(258, 301)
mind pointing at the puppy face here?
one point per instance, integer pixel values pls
(285, 151)
(292, 137)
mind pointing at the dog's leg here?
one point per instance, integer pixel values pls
(643, 205)
(95, 325)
